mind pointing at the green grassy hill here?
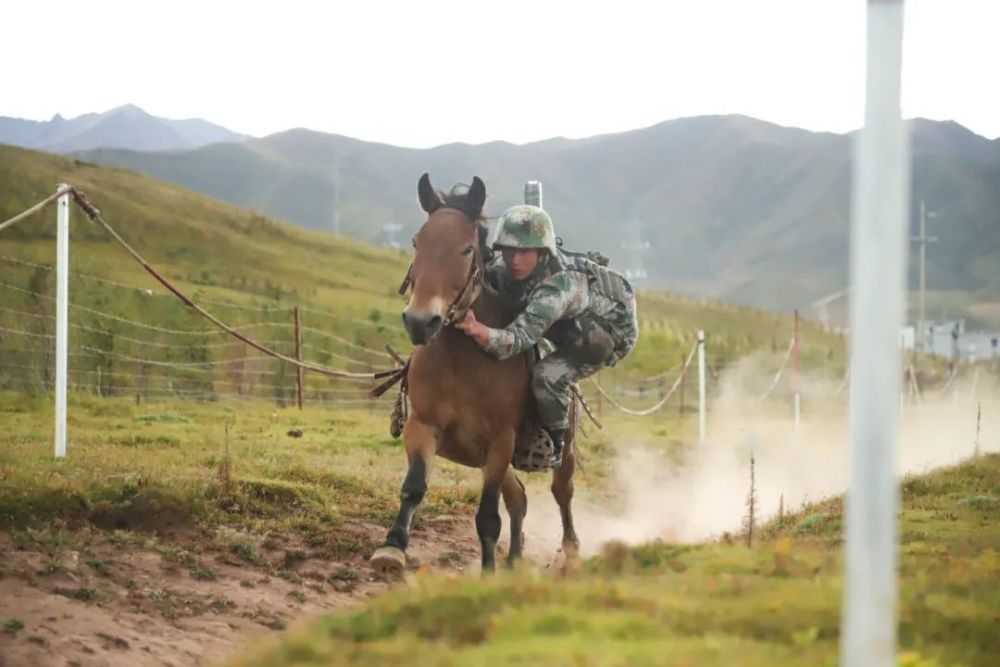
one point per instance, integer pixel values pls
(252, 270)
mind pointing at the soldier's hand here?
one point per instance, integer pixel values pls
(472, 327)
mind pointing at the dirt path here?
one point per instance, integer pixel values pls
(92, 598)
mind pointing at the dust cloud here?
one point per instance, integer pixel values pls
(701, 493)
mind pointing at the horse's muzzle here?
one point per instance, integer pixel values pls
(422, 328)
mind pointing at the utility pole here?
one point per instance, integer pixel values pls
(923, 240)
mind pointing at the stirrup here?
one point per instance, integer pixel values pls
(556, 460)
(557, 452)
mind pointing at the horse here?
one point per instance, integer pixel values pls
(465, 405)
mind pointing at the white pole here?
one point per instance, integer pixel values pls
(701, 386)
(878, 266)
(62, 318)
(533, 193)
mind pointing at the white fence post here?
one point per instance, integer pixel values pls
(879, 216)
(62, 318)
(701, 386)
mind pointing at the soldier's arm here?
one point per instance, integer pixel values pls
(546, 307)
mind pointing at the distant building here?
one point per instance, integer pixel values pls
(979, 346)
(950, 339)
(942, 337)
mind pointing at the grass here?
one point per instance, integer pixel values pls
(121, 476)
(229, 473)
(227, 255)
(130, 474)
(663, 604)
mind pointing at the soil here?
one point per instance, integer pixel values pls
(175, 596)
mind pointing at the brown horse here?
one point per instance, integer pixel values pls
(466, 405)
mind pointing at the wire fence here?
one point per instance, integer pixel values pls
(155, 350)
(127, 339)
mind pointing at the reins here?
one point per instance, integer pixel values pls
(456, 311)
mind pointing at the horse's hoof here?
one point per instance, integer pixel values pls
(388, 562)
(571, 550)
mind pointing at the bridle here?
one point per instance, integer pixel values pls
(470, 292)
(456, 313)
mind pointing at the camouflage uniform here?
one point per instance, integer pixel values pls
(584, 309)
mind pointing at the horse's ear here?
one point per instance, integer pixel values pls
(476, 198)
(430, 200)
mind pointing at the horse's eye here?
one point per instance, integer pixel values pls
(467, 251)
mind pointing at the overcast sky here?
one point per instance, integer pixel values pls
(425, 72)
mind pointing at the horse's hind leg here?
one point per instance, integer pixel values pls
(420, 439)
(562, 490)
(516, 500)
(488, 516)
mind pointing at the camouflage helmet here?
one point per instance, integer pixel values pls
(525, 226)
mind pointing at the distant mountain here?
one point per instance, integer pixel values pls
(732, 207)
(126, 127)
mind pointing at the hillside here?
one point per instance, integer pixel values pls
(733, 207)
(263, 268)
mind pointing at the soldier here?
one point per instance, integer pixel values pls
(584, 309)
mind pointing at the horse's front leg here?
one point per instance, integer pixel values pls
(498, 457)
(420, 442)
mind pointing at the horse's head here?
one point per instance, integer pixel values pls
(445, 253)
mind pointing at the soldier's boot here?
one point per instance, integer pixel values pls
(557, 436)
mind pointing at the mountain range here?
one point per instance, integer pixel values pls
(727, 207)
(126, 126)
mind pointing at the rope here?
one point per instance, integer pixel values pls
(140, 341)
(781, 371)
(334, 355)
(37, 207)
(95, 215)
(228, 304)
(170, 393)
(914, 387)
(659, 404)
(117, 336)
(169, 364)
(154, 362)
(339, 316)
(144, 290)
(26, 333)
(586, 408)
(150, 327)
(659, 376)
(949, 380)
(344, 341)
(173, 378)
